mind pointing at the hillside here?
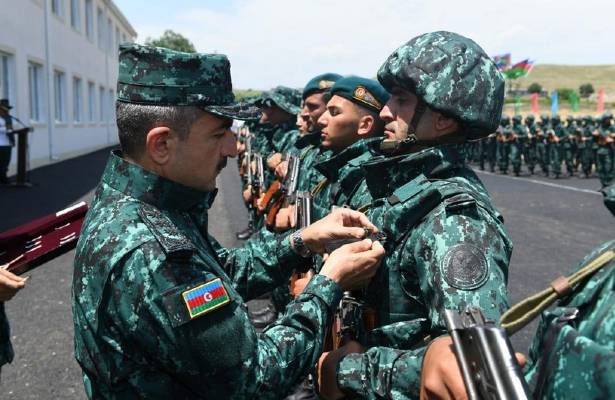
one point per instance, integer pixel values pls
(552, 76)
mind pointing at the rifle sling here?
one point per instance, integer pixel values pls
(522, 313)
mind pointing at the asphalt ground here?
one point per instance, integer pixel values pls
(553, 224)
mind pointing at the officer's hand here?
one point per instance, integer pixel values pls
(274, 161)
(281, 169)
(353, 265)
(10, 284)
(326, 370)
(440, 377)
(342, 223)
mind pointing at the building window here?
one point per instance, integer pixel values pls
(75, 14)
(77, 100)
(35, 83)
(6, 76)
(89, 19)
(57, 7)
(59, 95)
(91, 101)
(102, 103)
(100, 21)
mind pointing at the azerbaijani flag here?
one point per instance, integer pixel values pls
(205, 298)
(519, 70)
(502, 61)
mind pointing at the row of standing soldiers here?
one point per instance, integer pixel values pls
(581, 144)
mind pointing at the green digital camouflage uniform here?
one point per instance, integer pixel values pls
(569, 145)
(556, 150)
(289, 100)
(585, 146)
(542, 146)
(145, 256)
(446, 245)
(604, 154)
(532, 143)
(503, 145)
(520, 144)
(573, 353)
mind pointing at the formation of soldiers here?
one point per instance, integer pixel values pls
(366, 224)
(555, 147)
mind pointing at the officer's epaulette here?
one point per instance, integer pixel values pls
(174, 243)
(408, 190)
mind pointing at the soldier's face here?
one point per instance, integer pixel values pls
(397, 113)
(339, 124)
(274, 115)
(313, 107)
(198, 159)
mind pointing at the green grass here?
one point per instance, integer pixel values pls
(551, 77)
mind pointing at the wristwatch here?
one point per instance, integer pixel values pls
(296, 242)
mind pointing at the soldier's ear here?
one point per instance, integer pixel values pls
(367, 125)
(159, 145)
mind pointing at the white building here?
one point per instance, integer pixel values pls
(58, 68)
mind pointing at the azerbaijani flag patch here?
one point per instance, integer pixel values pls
(205, 298)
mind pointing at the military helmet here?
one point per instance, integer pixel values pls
(529, 118)
(555, 118)
(569, 118)
(451, 74)
(606, 116)
(587, 117)
(544, 117)
(517, 118)
(504, 120)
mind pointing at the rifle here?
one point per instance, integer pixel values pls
(247, 155)
(485, 356)
(303, 218)
(258, 181)
(284, 191)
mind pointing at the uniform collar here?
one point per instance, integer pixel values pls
(148, 187)
(311, 138)
(331, 167)
(385, 174)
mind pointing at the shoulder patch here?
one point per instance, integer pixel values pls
(205, 298)
(465, 267)
(174, 243)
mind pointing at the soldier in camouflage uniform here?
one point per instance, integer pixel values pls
(446, 244)
(532, 142)
(519, 145)
(604, 154)
(569, 144)
(542, 144)
(556, 146)
(503, 144)
(585, 146)
(157, 303)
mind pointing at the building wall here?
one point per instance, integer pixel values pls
(42, 32)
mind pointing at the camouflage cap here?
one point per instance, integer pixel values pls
(320, 83)
(286, 98)
(365, 92)
(517, 118)
(529, 117)
(453, 75)
(164, 77)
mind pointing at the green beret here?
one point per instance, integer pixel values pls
(367, 93)
(286, 98)
(164, 77)
(453, 75)
(320, 83)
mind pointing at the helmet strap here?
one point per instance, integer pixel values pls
(402, 146)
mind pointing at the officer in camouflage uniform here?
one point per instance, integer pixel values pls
(446, 244)
(157, 302)
(519, 145)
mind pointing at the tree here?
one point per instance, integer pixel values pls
(172, 40)
(565, 93)
(534, 88)
(586, 90)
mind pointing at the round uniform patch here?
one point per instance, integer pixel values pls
(465, 267)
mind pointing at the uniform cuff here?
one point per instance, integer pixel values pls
(287, 258)
(325, 289)
(351, 375)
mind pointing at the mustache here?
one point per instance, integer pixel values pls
(222, 164)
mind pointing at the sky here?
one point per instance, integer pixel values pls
(287, 42)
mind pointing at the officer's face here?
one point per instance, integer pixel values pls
(313, 107)
(339, 124)
(198, 159)
(397, 113)
(274, 115)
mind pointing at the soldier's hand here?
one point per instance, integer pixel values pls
(297, 285)
(326, 370)
(341, 223)
(283, 219)
(440, 376)
(281, 169)
(10, 284)
(353, 265)
(274, 161)
(247, 194)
